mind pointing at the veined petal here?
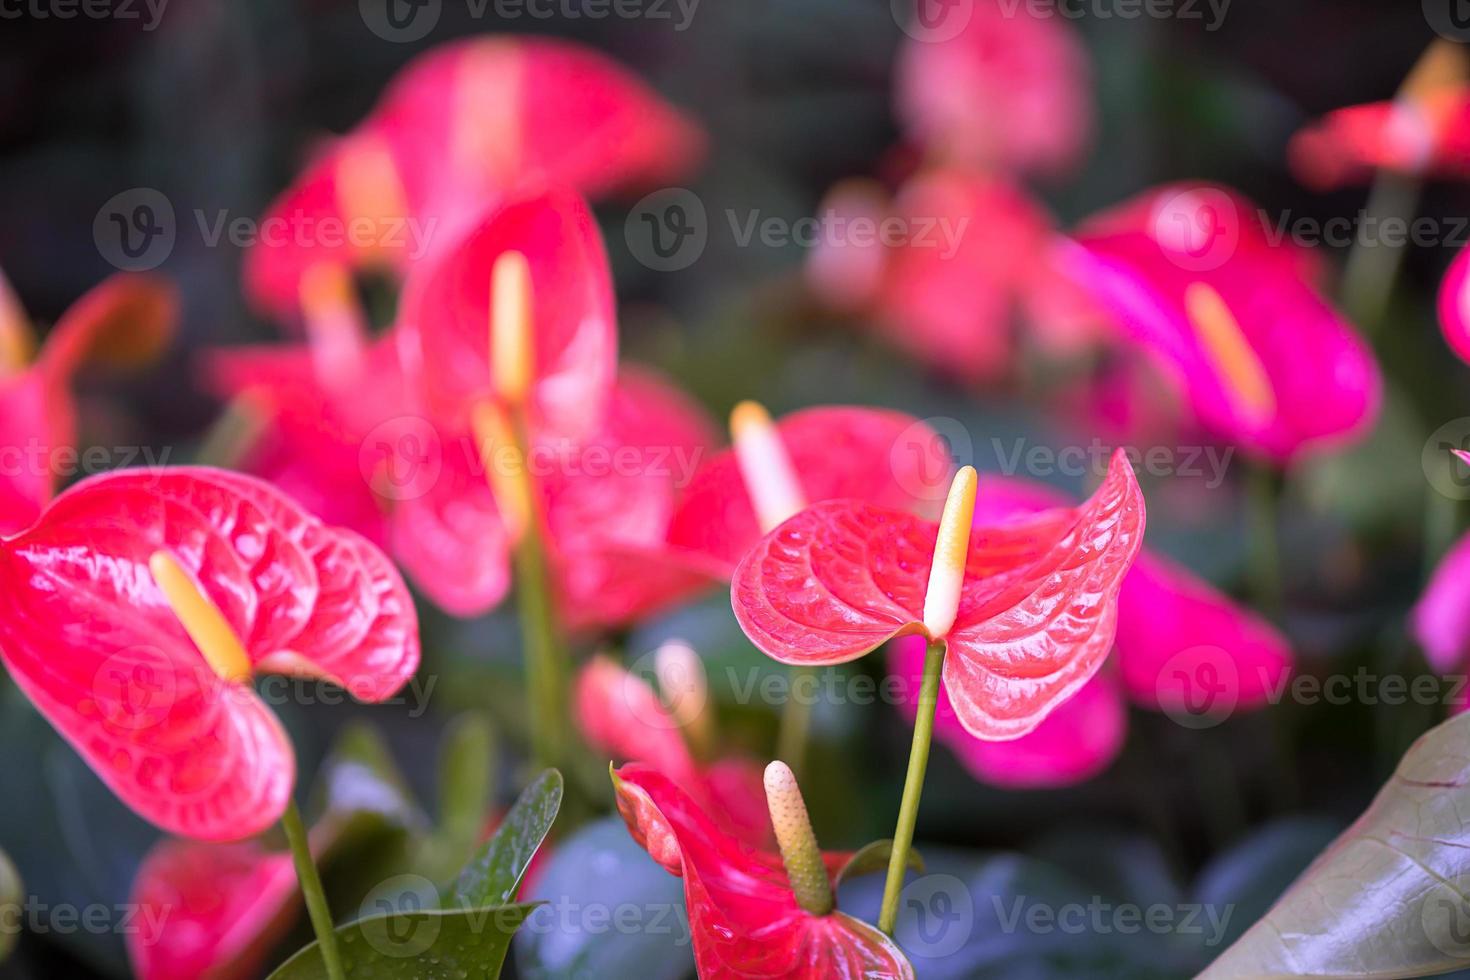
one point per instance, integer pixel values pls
(1037, 611)
(88, 636)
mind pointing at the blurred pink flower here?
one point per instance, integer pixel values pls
(1425, 135)
(1441, 619)
(1010, 91)
(126, 319)
(1454, 305)
(1193, 277)
(953, 266)
(456, 132)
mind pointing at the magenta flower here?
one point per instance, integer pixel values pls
(1441, 619)
(1263, 359)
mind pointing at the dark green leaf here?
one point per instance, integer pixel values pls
(494, 874)
(874, 857)
(467, 944)
(360, 791)
(1388, 897)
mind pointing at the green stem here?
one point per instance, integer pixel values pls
(546, 674)
(796, 720)
(311, 890)
(913, 787)
(1265, 547)
(1373, 265)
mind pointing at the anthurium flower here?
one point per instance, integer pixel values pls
(221, 908)
(126, 319)
(951, 287)
(1232, 321)
(445, 316)
(887, 458)
(754, 914)
(606, 502)
(1026, 610)
(1174, 631)
(135, 610)
(621, 716)
(1454, 305)
(457, 131)
(1010, 90)
(1425, 129)
(1441, 619)
(326, 410)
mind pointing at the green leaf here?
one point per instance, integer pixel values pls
(874, 857)
(467, 944)
(12, 900)
(494, 874)
(1388, 897)
(600, 871)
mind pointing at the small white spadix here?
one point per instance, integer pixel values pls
(511, 349)
(951, 548)
(769, 477)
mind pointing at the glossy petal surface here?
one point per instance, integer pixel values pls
(219, 908)
(87, 635)
(887, 458)
(742, 914)
(1036, 616)
(445, 316)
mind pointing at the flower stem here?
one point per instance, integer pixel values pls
(311, 890)
(796, 719)
(913, 786)
(1265, 547)
(546, 671)
(1372, 266)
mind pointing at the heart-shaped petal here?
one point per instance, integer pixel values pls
(1037, 610)
(745, 921)
(445, 318)
(88, 635)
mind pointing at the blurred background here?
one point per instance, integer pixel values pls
(216, 106)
